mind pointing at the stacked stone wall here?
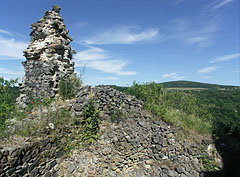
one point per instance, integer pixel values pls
(31, 159)
(48, 58)
(109, 101)
(134, 145)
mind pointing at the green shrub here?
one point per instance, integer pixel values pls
(68, 86)
(151, 94)
(7, 105)
(90, 121)
(187, 121)
(175, 107)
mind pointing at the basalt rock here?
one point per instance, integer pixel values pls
(48, 58)
(110, 102)
(131, 142)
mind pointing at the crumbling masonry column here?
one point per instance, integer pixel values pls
(48, 57)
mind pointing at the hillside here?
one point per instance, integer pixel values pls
(191, 84)
(184, 85)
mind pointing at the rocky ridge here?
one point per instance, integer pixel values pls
(48, 58)
(133, 143)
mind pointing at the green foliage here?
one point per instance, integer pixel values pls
(116, 115)
(68, 86)
(190, 84)
(120, 88)
(188, 104)
(225, 108)
(90, 122)
(35, 103)
(7, 104)
(151, 94)
(209, 164)
(187, 121)
(175, 107)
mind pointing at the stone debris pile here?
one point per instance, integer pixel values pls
(109, 101)
(136, 146)
(132, 142)
(48, 57)
(29, 159)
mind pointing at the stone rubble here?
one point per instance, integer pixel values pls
(108, 101)
(48, 58)
(136, 146)
(35, 158)
(132, 143)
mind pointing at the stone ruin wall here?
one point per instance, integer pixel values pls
(48, 57)
(30, 159)
(135, 145)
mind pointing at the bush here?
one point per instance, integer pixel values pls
(177, 108)
(90, 121)
(7, 105)
(151, 94)
(188, 104)
(68, 86)
(187, 121)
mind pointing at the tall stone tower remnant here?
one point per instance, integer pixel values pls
(48, 57)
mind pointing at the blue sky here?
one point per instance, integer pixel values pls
(125, 40)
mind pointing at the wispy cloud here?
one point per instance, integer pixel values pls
(6, 71)
(81, 24)
(11, 48)
(219, 3)
(6, 32)
(225, 58)
(93, 53)
(195, 32)
(99, 59)
(207, 69)
(124, 35)
(173, 76)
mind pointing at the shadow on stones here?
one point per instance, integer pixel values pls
(229, 148)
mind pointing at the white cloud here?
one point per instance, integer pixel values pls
(107, 66)
(6, 32)
(99, 59)
(93, 53)
(124, 35)
(10, 72)
(207, 69)
(81, 24)
(220, 3)
(192, 31)
(173, 76)
(225, 58)
(11, 48)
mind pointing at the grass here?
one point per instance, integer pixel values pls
(68, 86)
(187, 121)
(177, 108)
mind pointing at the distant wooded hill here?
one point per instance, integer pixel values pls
(185, 84)
(191, 84)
